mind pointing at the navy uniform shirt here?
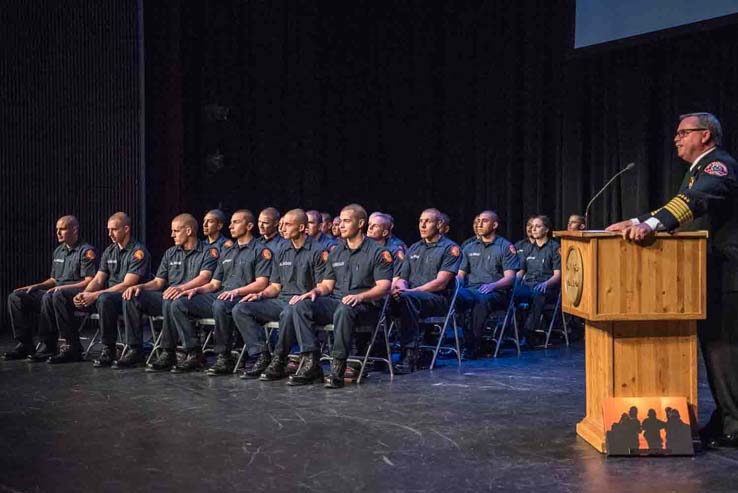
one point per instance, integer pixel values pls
(221, 243)
(299, 270)
(179, 266)
(72, 264)
(485, 263)
(356, 271)
(540, 262)
(327, 242)
(467, 241)
(394, 242)
(275, 243)
(398, 251)
(242, 264)
(133, 259)
(423, 261)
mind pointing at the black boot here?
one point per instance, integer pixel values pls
(335, 379)
(310, 371)
(275, 370)
(262, 363)
(164, 362)
(43, 353)
(224, 365)
(134, 357)
(407, 364)
(193, 362)
(21, 351)
(292, 365)
(106, 358)
(68, 354)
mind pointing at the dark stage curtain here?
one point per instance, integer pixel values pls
(396, 105)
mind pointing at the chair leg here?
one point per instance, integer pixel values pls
(93, 341)
(240, 359)
(565, 328)
(157, 342)
(456, 336)
(207, 340)
(268, 335)
(515, 331)
(368, 351)
(553, 321)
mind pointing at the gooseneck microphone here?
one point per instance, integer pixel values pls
(586, 211)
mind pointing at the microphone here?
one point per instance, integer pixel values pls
(586, 211)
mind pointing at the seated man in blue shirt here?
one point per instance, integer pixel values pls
(488, 268)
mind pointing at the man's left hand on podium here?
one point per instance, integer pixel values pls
(638, 233)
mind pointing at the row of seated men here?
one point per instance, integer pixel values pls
(291, 272)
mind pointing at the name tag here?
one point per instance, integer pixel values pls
(59, 260)
(414, 257)
(175, 262)
(530, 258)
(338, 264)
(227, 260)
(113, 261)
(475, 254)
(285, 264)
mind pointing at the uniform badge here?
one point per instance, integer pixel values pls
(400, 254)
(266, 253)
(716, 168)
(455, 251)
(214, 253)
(387, 256)
(324, 256)
(90, 254)
(332, 247)
(691, 182)
(138, 254)
(228, 243)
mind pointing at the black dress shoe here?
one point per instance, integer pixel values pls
(224, 365)
(67, 355)
(106, 358)
(722, 441)
(164, 362)
(21, 351)
(43, 353)
(275, 370)
(335, 379)
(310, 372)
(134, 357)
(193, 362)
(408, 362)
(262, 363)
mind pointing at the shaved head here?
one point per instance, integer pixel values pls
(271, 213)
(298, 215)
(186, 220)
(121, 217)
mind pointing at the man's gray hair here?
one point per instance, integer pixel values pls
(709, 122)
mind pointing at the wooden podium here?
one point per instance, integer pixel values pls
(640, 304)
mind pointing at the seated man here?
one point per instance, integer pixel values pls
(520, 244)
(426, 275)
(445, 227)
(298, 268)
(540, 275)
(357, 277)
(123, 264)
(327, 225)
(242, 269)
(488, 269)
(393, 241)
(315, 223)
(188, 264)
(475, 225)
(212, 225)
(335, 227)
(73, 265)
(269, 236)
(576, 223)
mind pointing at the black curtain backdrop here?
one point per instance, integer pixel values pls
(396, 105)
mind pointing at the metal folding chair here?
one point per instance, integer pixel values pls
(154, 337)
(563, 330)
(97, 336)
(442, 324)
(268, 328)
(374, 329)
(499, 331)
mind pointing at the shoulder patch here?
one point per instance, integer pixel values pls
(400, 253)
(716, 168)
(90, 254)
(138, 254)
(512, 249)
(324, 256)
(214, 253)
(266, 253)
(228, 243)
(455, 251)
(332, 247)
(387, 256)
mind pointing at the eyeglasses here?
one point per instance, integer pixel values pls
(686, 131)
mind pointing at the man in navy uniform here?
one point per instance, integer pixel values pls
(268, 223)
(475, 225)
(212, 224)
(488, 269)
(707, 200)
(393, 241)
(124, 263)
(188, 264)
(528, 237)
(73, 265)
(298, 268)
(576, 223)
(242, 269)
(357, 277)
(315, 223)
(540, 274)
(327, 225)
(426, 277)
